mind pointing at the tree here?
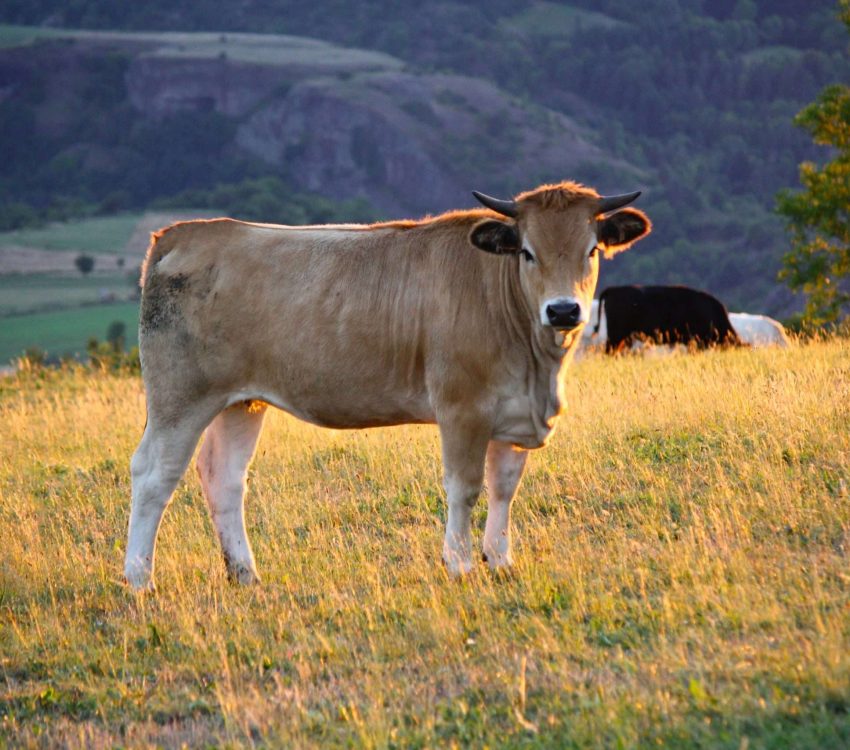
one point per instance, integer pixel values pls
(115, 334)
(819, 217)
(84, 263)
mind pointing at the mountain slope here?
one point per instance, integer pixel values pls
(689, 99)
(336, 121)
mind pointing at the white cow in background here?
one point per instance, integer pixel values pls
(589, 335)
(758, 330)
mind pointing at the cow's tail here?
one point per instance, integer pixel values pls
(162, 243)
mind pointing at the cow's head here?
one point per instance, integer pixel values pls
(558, 232)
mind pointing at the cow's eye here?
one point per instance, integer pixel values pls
(527, 256)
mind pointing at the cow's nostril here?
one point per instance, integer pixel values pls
(563, 314)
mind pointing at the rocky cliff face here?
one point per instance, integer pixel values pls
(363, 127)
(335, 121)
(418, 142)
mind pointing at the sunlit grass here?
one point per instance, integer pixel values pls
(682, 575)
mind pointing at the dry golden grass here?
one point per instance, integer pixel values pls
(682, 575)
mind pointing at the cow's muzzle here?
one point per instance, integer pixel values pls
(564, 315)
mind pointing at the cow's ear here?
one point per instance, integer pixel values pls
(620, 230)
(494, 236)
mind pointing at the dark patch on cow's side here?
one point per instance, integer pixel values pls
(178, 282)
(160, 300)
(203, 282)
(497, 237)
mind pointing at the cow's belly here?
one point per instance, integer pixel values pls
(341, 409)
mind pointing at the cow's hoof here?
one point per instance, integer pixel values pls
(138, 586)
(139, 578)
(243, 574)
(497, 562)
(500, 565)
(456, 567)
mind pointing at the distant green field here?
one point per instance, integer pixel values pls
(552, 19)
(263, 49)
(18, 36)
(101, 234)
(65, 331)
(779, 54)
(33, 292)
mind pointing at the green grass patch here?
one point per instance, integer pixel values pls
(20, 36)
(65, 331)
(260, 49)
(27, 293)
(551, 19)
(100, 234)
(774, 55)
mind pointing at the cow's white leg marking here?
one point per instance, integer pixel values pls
(464, 449)
(505, 465)
(156, 467)
(228, 447)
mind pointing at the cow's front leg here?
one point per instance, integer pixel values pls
(464, 442)
(505, 465)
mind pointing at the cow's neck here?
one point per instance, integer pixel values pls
(552, 353)
(548, 352)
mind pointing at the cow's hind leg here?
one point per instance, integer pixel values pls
(223, 461)
(156, 468)
(505, 465)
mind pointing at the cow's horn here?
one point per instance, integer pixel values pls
(608, 203)
(506, 208)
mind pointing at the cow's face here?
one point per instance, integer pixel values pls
(558, 244)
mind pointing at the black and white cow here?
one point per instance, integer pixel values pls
(664, 315)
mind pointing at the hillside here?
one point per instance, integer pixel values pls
(406, 107)
(344, 123)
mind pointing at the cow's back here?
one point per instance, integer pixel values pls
(759, 330)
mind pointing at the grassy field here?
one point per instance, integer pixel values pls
(682, 576)
(65, 331)
(20, 293)
(556, 20)
(261, 49)
(99, 234)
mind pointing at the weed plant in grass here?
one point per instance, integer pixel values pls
(682, 575)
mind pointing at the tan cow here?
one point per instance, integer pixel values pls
(353, 326)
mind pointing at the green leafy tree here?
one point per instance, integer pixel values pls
(819, 216)
(115, 334)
